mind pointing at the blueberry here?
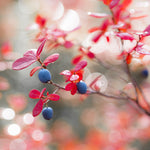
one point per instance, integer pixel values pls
(44, 75)
(81, 87)
(144, 73)
(47, 113)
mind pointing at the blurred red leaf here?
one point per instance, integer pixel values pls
(90, 55)
(69, 86)
(41, 21)
(128, 58)
(146, 32)
(6, 48)
(113, 3)
(97, 37)
(38, 108)
(125, 36)
(77, 59)
(51, 59)
(34, 70)
(39, 50)
(125, 4)
(53, 97)
(82, 64)
(106, 2)
(68, 44)
(34, 94)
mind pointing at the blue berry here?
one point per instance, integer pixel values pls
(47, 113)
(44, 75)
(81, 87)
(145, 73)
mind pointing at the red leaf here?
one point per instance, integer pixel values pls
(68, 44)
(90, 55)
(22, 63)
(146, 32)
(98, 15)
(106, 2)
(27, 59)
(93, 29)
(69, 86)
(40, 21)
(129, 58)
(38, 108)
(74, 89)
(77, 59)
(97, 37)
(6, 48)
(125, 4)
(53, 97)
(41, 94)
(34, 94)
(39, 50)
(51, 59)
(113, 3)
(82, 64)
(125, 36)
(34, 70)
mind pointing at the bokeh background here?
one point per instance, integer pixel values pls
(79, 123)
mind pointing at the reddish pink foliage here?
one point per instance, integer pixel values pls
(34, 94)
(113, 3)
(53, 97)
(34, 70)
(38, 108)
(76, 59)
(68, 44)
(39, 50)
(50, 59)
(79, 66)
(41, 21)
(125, 36)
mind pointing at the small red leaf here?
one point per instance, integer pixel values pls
(93, 29)
(68, 44)
(146, 32)
(82, 64)
(42, 92)
(39, 50)
(53, 97)
(34, 94)
(74, 89)
(6, 48)
(34, 70)
(128, 58)
(69, 86)
(90, 55)
(98, 15)
(22, 63)
(97, 37)
(30, 53)
(106, 2)
(50, 59)
(113, 3)
(40, 21)
(125, 36)
(38, 108)
(76, 59)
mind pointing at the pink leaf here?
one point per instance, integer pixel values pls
(147, 31)
(38, 108)
(34, 70)
(68, 44)
(40, 48)
(53, 97)
(76, 59)
(42, 92)
(30, 53)
(34, 94)
(51, 59)
(22, 63)
(125, 36)
(113, 3)
(69, 86)
(80, 65)
(74, 77)
(98, 15)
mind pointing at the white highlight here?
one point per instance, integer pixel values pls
(28, 119)
(37, 135)
(14, 129)
(8, 114)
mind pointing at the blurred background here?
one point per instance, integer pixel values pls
(79, 122)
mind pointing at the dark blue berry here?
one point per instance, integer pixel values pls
(47, 113)
(81, 87)
(144, 73)
(44, 75)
